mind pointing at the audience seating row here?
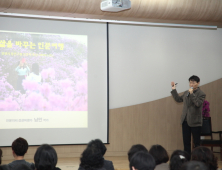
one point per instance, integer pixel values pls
(92, 158)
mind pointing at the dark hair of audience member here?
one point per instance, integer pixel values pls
(91, 158)
(98, 144)
(136, 148)
(178, 158)
(20, 146)
(142, 161)
(35, 68)
(45, 158)
(194, 165)
(159, 154)
(205, 155)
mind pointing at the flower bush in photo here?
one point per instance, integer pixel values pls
(63, 85)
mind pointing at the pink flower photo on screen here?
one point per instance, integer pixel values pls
(63, 75)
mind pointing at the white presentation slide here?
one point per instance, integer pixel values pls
(53, 81)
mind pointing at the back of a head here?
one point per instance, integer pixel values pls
(98, 144)
(159, 154)
(194, 165)
(178, 158)
(45, 158)
(136, 148)
(20, 146)
(142, 161)
(205, 155)
(91, 158)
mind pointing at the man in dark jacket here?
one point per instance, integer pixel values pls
(191, 118)
(19, 149)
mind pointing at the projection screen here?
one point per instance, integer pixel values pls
(53, 81)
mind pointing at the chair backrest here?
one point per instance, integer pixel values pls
(0, 156)
(206, 129)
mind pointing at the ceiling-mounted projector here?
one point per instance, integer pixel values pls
(115, 5)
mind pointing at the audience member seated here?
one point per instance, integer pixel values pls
(136, 148)
(91, 159)
(0, 156)
(142, 161)
(205, 155)
(160, 156)
(178, 158)
(46, 158)
(194, 165)
(97, 143)
(19, 149)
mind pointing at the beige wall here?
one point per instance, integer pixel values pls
(156, 122)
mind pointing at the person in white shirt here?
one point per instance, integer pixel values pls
(34, 75)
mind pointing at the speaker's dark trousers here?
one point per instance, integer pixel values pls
(187, 131)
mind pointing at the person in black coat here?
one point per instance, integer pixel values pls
(46, 158)
(96, 145)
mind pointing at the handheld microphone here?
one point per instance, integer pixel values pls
(175, 84)
(189, 92)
